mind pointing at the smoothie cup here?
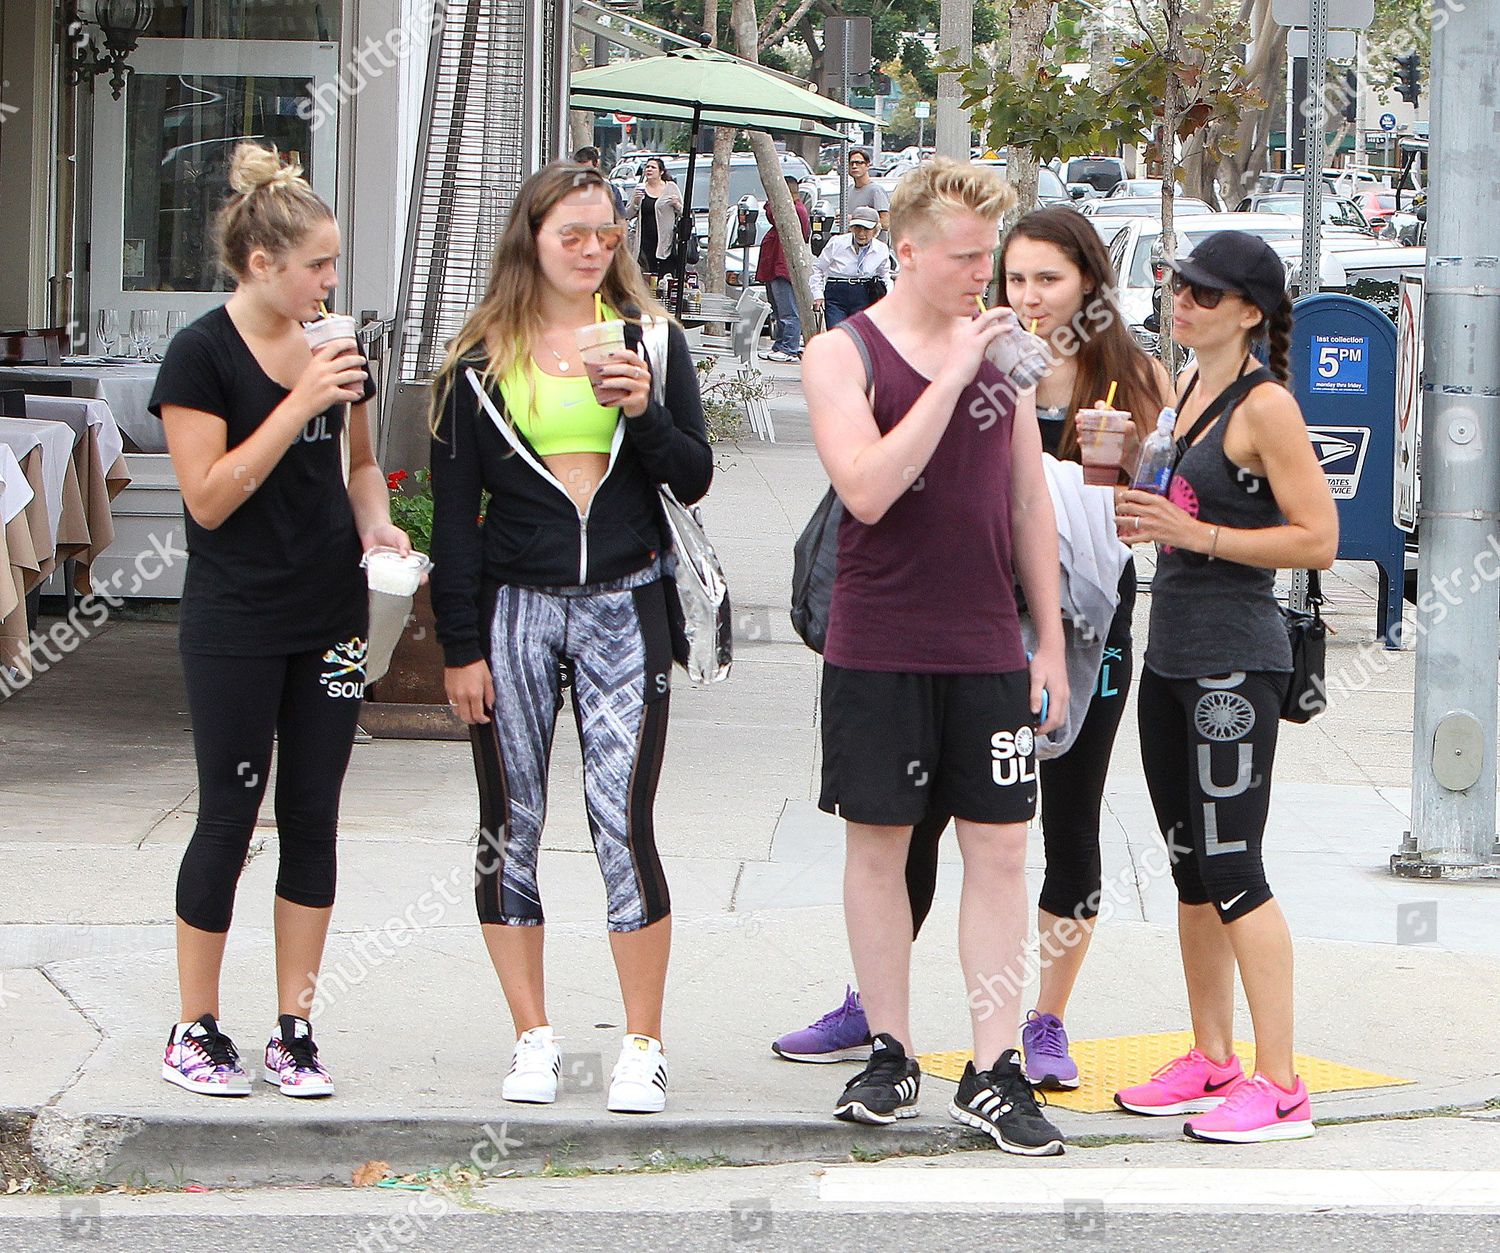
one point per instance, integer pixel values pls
(1102, 435)
(599, 343)
(332, 327)
(393, 581)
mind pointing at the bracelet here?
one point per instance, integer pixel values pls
(1213, 547)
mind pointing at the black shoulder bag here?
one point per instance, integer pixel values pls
(1307, 693)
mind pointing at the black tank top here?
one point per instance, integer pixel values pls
(1216, 617)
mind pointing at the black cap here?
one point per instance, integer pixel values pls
(1237, 262)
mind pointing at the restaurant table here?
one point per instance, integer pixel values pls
(125, 386)
(20, 569)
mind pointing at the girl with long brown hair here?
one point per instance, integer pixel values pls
(561, 583)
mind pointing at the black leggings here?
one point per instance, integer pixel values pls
(1072, 789)
(310, 703)
(1208, 746)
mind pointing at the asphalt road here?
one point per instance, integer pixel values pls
(749, 1231)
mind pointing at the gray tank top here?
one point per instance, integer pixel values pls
(1216, 617)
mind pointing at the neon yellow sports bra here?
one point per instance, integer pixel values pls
(557, 415)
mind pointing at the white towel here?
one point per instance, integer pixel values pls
(1092, 556)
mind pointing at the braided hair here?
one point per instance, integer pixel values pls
(1277, 331)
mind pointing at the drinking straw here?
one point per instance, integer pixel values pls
(1109, 397)
(1034, 323)
(598, 307)
(324, 308)
(979, 300)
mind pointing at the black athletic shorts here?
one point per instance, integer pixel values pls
(897, 745)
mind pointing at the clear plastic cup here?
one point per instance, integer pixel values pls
(393, 581)
(599, 343)
(1102, 436)
(388, 571)
(1020, 355)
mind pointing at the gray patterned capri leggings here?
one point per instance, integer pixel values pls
(610, 642)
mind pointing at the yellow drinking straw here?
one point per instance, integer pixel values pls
(1034, 322)
(598, 307)
(979, 300)
(324, 308)
(1109, 396)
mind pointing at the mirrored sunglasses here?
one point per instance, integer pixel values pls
(575, 234)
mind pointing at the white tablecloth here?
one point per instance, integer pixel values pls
(15, 491)
(80, 414)
(55, 439)
(125, 388)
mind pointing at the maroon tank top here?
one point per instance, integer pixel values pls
(929, 589)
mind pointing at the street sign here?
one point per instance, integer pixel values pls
(1408, 403)
(1348, 399)
(846, 51)
(624, 119)
(922, 109)
(1343, 45)
(1387, 122)
(1342, 14)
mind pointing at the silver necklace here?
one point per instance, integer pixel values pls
(561, 363)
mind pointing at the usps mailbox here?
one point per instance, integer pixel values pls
(1344, 377)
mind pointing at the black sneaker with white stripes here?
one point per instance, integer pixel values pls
(1001, 1103)
(885, 1090)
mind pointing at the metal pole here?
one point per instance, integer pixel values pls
(689, 218)
(956, 31)
(1314, 121)
(1458, 637)
(844, 168)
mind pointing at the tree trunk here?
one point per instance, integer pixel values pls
(1029, 20)
(956, 35)
(1171, 109)
(778, 198)
(718, 208)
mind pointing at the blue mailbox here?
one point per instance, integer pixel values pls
(1344, 377)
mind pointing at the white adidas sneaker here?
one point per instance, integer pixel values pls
(534, 1067)
(638, 1083)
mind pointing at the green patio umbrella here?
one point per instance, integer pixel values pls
(703, 86)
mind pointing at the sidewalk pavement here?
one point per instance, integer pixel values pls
(98, 788)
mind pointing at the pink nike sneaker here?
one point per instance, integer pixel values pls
(1189, 1084)
(1256, 1111)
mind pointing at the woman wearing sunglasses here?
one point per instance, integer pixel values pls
(561, 583)
(654, 209)
(1247, 498)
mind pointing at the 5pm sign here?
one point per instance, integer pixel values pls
(1340, 364)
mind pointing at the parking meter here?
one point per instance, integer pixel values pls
(746, 216)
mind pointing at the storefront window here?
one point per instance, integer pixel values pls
(247, 19)
(182, 129)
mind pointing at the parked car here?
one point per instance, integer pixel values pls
(1379, 208)
(1135, 187)
(1339, 214)
(626, 173)
(1049, 187)
(1141, 207)
(1289, 182)
(1103, 174)
(744, 180)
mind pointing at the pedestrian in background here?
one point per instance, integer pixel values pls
(866, 193)
(654, 208)
(562, 583)
(853, 272)
(1247, 498)
(274, 610)
(589, 156)
(772, 269)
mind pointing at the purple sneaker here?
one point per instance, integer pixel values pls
(1046, 1046)
(841, 1036)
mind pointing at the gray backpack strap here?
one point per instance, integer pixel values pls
(864, 354)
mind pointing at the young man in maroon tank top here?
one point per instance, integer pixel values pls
(928, 698)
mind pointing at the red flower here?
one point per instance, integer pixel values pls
(395, 478)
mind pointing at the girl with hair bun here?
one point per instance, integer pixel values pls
(1247, 498)
(274, 607)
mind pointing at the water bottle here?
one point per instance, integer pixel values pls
(1158, 454)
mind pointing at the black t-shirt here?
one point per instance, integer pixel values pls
(648, 232)
(281, 574)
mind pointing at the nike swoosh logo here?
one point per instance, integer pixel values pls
(1229, 904)
(1214, 1087)
(1282, 1113)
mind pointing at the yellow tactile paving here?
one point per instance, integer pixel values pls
(1108, 1065)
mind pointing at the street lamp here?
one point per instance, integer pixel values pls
(122, 23)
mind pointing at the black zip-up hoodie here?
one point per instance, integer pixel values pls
(532, 533)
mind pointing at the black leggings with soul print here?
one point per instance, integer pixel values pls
(308, 705)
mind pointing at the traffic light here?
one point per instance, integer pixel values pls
(1351, 97)
(1408, 74)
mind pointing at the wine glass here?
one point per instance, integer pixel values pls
(109, 330)
(176, 320)
(145, 330)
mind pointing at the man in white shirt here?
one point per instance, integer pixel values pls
(853, 271)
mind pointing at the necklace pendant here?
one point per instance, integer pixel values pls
(562, 365)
